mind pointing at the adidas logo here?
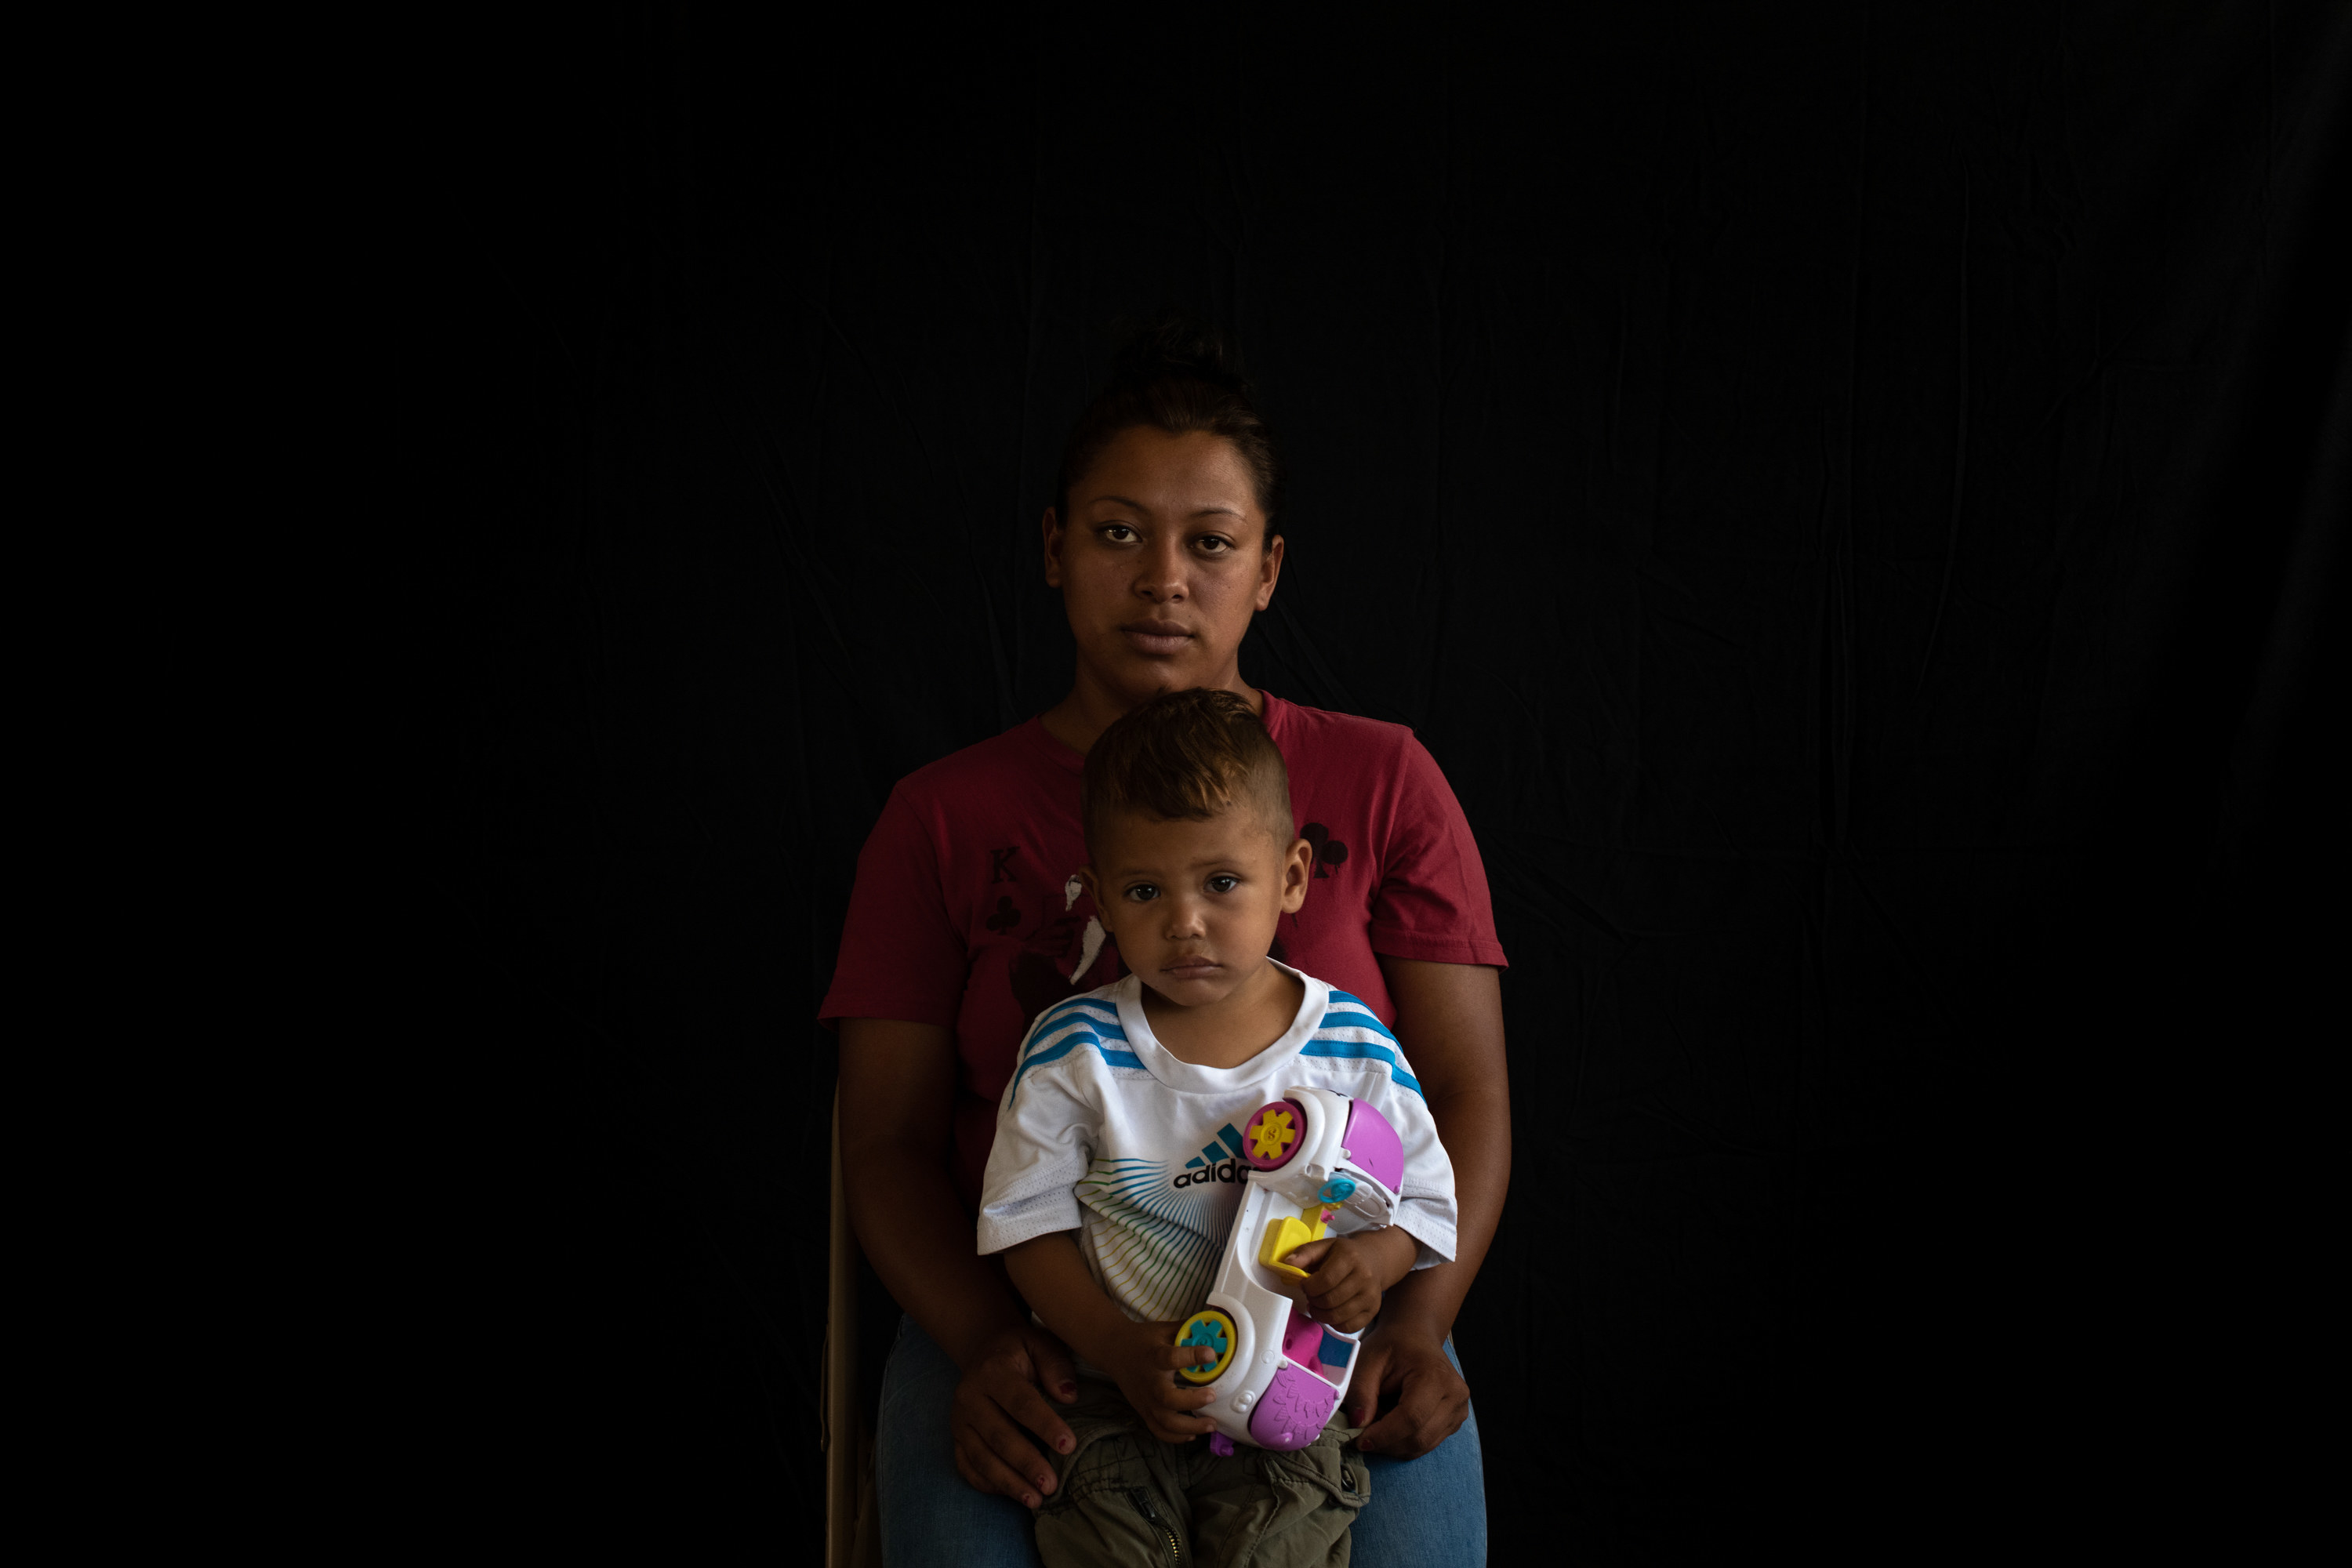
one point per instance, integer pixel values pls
(1218, 1162)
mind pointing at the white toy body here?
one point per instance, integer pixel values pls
(1283, 1374)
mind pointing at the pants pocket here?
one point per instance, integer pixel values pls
(1118, 1505)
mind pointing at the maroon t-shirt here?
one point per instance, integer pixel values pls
(968, 911)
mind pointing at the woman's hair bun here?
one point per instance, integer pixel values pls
(1171, 345)
(1179, 374)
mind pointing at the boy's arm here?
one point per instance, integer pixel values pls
(1139, 1357)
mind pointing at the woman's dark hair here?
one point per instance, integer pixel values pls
(1179, 375)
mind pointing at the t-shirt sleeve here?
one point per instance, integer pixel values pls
(1046, 1134)
(901, 954)
(1427, 1212)
(1433, 902)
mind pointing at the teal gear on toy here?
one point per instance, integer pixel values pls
(1337, 1190)
(1206, 1333)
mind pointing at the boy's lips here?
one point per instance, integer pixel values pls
(1190, 968)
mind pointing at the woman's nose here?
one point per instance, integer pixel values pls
(1160, 577)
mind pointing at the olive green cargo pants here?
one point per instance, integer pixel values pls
(1126, 1499)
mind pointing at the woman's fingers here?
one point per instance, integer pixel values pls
(1057, 1373)
(996, 1450)
(1000, 1449)
(1364, 1392)
(984, 1470)
(1431, 1399)
(1025, 1404)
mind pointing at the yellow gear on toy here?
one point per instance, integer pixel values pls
(1212, 1328)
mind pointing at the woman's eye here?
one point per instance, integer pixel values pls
(1211, 545)
(1142, 893)
(1119, 533)
(1224, 884)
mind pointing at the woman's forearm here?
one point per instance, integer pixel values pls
(898, 1087)
(1432, 1296)
(914, 1230)
(1449, 1018)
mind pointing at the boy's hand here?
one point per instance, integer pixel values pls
(1348, 1273)
(1142, 1359)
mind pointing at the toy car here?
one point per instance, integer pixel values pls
(1321, 1164)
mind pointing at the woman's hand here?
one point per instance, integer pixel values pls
(997, 1409)
(1348, 1274)
(898, 1085)
(1404, 1363)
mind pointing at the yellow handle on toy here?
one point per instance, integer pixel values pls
(1285, 1235)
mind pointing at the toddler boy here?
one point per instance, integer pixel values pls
(1112, 1184)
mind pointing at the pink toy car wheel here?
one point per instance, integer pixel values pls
(1273, 1134)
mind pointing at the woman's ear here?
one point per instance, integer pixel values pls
(1053, 533)
(1269, 570)
(1297, 868)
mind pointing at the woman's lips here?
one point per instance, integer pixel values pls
(1156, 637)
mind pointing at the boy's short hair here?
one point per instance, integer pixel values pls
(1190, 754)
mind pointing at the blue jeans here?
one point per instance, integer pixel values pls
(1429, 1513)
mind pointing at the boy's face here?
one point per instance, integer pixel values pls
(1194, 905)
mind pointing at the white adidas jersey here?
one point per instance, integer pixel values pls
(1105, 1132)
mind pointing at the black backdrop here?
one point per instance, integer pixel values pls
(1840, 489)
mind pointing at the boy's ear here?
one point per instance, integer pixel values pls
(1297, 868)
(1094, 888)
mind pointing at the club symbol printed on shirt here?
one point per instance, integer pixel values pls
(1328, 851)
(1005, 918)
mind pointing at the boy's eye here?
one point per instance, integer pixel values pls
(1223, 882)
(1142, 893)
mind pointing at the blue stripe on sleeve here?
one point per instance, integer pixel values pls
(1082, 1030)
(1363, 1050)
(1335, 1020)
(1080, 1009)
(1039, 1059)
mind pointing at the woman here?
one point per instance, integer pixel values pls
(968, 919)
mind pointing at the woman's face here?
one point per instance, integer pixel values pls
(1161, 563)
